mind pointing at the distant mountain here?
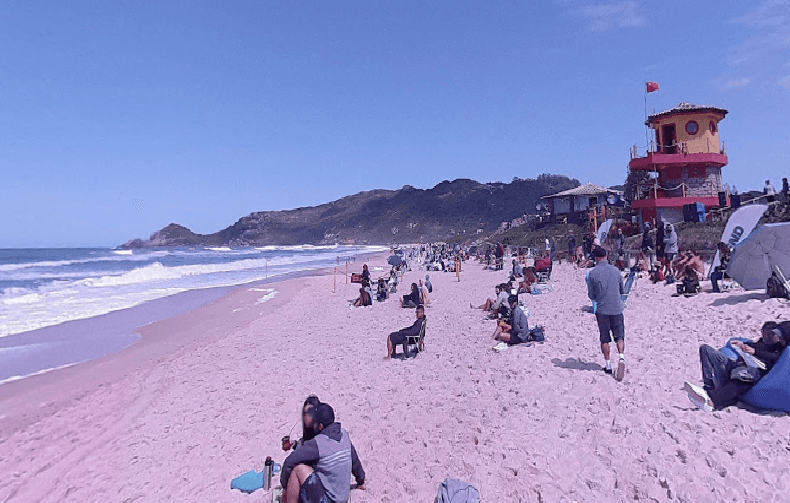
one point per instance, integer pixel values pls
(450, 211)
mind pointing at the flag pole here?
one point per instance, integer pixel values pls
(647, 136)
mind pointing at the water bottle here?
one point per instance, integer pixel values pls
(267, 473)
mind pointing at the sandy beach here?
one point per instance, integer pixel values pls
(180, 417)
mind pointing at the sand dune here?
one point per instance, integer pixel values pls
(540, 423)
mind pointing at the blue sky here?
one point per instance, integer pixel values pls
(117, 118)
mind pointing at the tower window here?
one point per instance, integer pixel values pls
(692, 127)
(712, 127)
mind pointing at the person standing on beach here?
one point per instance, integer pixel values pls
(571, 247)
(604, 288)
(458, 267)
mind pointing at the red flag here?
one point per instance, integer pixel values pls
(652, 87)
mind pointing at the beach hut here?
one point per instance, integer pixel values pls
(574, 205)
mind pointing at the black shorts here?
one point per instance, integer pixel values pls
(312, 491)
(611, 323)
(397, 338)
(515, 339)
(669, 256)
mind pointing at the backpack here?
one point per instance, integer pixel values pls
(776, 289)
(536, 334)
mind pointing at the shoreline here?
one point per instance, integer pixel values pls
(28, 399)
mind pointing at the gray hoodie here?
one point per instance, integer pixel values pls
(670, 240)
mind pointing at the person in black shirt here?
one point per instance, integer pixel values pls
(725, 380)
(413, 298)
(365, 273)
(400, 336)
(724, 261)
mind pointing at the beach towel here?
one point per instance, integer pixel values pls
(457, 491)
(773, 390)
(248, 482)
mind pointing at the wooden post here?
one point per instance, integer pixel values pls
(334, 286)
(346, 271)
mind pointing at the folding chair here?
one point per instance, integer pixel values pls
(415, 344)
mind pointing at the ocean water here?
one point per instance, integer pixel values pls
(45, 287)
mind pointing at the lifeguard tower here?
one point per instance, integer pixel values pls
(684, 162)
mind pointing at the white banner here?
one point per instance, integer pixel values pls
(739, 226)
(603, 231)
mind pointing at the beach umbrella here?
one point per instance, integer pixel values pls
(753, 259)
(395, 260)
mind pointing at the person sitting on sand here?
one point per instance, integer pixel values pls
(424, 298)
(320, 469)
(695, 262)
(530, 278)
(725, 380)
(642, 262)
(382, 291)
(308, 433)
(516, 329)
(516, 270)
(363, 299)
(689, 285)
(605, 288)
(492, 305)
(400, 336)
(720, 270)
(428, 283)
(413, 298)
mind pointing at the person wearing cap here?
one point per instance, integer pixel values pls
(516, 330)
(320, 469)
(604, 288)
(725, 380)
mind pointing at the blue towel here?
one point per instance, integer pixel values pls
(248, 482)
(773, 390)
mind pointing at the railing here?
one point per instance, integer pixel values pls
(675, 148)
(654, 191)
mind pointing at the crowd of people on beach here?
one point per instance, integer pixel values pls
(325, 457)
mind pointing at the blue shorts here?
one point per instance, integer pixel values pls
(611, 325)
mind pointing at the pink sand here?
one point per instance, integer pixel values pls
(539, 423)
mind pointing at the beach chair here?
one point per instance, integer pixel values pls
(415, 344)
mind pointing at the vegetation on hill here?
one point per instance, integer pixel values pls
(450, 211)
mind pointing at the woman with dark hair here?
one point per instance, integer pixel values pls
(311, 402)
(725, 379)
(411, 300)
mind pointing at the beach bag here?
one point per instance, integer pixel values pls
(670, 279)
(536, 334)
(456, 491)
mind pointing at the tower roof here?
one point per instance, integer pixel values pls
(686, 108)
(588, 189)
